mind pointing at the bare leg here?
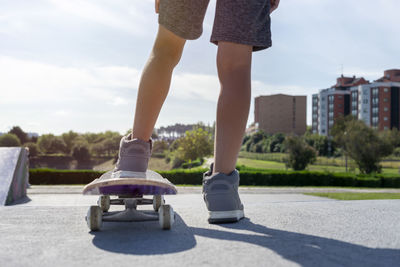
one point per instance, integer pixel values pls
(155, 81)
(234, 72)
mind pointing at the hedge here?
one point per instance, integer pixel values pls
(46, 176)
(247, 177)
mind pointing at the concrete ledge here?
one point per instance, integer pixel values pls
(14, 172)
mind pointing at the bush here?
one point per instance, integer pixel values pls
(177, 162)
(396, 152)
(158, 155)
(9, 140)
(300, 153)
(248, 176)
(195, 163)
(52, 176)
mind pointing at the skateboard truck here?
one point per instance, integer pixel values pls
(96, 215)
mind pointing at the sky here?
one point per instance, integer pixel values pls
(76, 64)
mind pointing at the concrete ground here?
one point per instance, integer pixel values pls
(282, 228)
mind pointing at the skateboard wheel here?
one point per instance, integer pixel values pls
(158, 200)
(166, 217)
(94, 218)
(104, 203)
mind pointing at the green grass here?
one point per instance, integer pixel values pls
(391, 163)
(264, 164)
(357, 196)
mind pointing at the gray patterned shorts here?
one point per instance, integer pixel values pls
(238, 21)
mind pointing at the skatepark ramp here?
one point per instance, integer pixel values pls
(14, 174)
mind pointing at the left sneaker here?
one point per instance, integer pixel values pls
(133, 157)
(220, 192)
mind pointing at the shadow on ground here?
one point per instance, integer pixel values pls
(23, 200)
(146, 238)
(306, 250)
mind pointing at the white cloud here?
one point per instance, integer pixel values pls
(61, 113)
(26, 81)
(118, 101)
(195, 86)
(124, 15)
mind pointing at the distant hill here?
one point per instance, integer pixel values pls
(30, 135)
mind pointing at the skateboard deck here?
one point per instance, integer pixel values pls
(130, 192)
(143, 183)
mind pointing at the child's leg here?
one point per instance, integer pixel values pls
(234, 72)
(155, 81)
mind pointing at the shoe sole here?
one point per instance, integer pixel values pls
(225, 216)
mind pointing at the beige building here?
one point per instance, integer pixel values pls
(281, 114)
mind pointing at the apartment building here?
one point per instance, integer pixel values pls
(376, 103)
(281, 114)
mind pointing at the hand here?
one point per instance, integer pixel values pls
(274, 5)
(157, 5)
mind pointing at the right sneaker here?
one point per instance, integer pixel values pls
(133, 157)
(220, 192)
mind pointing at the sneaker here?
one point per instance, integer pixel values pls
(133, 157)
(220, 192)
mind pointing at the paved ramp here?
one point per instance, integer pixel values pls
(280, 230)
(14, 174)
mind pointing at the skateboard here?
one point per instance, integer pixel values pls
(129, 192)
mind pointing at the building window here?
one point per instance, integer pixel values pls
(385, 99)
(340, 96)
(385, 128)
(385, 118)
(385, 90)
(385, 109)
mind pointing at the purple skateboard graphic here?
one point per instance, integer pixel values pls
(135, 190)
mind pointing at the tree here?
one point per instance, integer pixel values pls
(195, 144)
(300, 153)
(81, 152)
(22, 136)
(98, 149)
(160, 146)
(362, 144)
(276, 142)
(109, 146)
(9, 140)
(391, 136)
(48, 143)
(319, 142)
(69, 140)
(253, 140)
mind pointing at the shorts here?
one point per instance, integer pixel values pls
(239, 21)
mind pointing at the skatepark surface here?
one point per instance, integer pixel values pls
(282, 228)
